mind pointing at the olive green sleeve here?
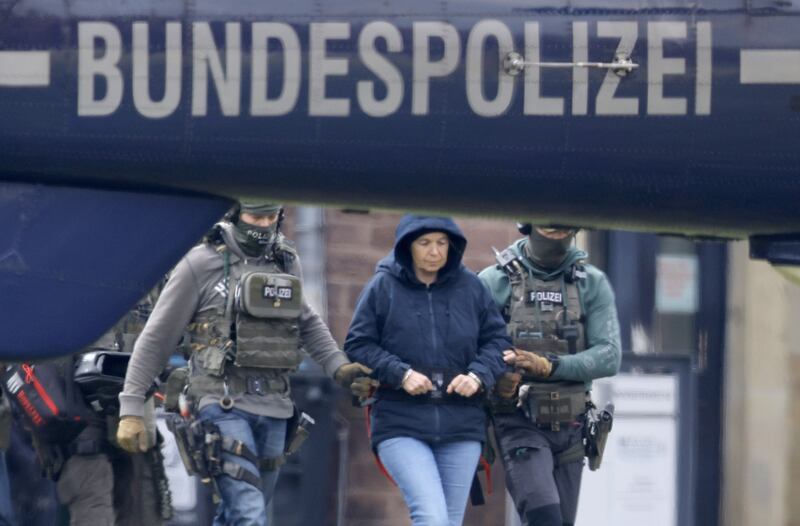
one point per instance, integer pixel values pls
(603, 354)
(496, 280)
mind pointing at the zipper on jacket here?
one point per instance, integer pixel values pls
(437, 419)
(433, 319)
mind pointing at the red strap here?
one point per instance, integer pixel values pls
(381, 467)
(28, 373)
(488, 470)
(31, 378)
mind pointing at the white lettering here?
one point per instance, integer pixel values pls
(606, 103)
(702, 101)
(535, 104)
(263, 32)
(105, 66)
(476, 41)
(423, 68)
(141, 71)
(580, 76)
(321, 67)
(382, 68)
(206, 57)
(659, 66)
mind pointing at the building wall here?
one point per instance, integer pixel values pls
(761, 480)
(354, 244)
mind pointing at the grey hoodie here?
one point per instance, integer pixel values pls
(193, 288)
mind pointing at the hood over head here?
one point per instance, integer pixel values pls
(413, 226)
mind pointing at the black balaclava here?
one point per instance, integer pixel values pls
(256, 240)
(547, 253)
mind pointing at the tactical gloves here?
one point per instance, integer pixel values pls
(528, 362)
(533, 364)
(132, 435)
(355, 377)
(362, 387)
(507, 385)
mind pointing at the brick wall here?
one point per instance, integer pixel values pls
(354, 244)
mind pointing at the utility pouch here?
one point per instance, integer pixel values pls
(553, 404)
(187, 443)
(201, 444)
(272, 343)
(266, 295)
(298, 429)
(176, 383)
(570, 334)
(598, 426)
(212, 358)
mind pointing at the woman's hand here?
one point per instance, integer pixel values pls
(416, 383)
(464, 385)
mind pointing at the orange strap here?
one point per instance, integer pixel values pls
(381, 467)
(488, 470)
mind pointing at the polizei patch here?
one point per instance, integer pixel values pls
(545, 296)
(272, 292)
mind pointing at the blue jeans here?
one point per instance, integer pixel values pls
(435, 479)
(242, 503)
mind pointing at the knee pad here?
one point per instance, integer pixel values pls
(549, 515)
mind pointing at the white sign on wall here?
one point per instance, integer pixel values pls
(676, 284)
(637, 482)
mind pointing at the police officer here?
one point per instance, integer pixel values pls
(563, 323)
(99, 483)
(239, 298)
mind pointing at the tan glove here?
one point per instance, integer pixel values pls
(132, 435)
(507, 385)
(347, 373)
(362, 387)
(533, 364)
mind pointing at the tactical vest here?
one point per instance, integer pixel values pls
(256, 328)
(546, 318)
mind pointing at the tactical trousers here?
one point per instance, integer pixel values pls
(544, 490)
(85, 487)
(242, 503)
(116, 492)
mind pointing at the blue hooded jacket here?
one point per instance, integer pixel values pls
(453, 324)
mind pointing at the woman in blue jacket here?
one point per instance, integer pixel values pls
(434, 338)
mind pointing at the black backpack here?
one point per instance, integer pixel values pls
(46, 397)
